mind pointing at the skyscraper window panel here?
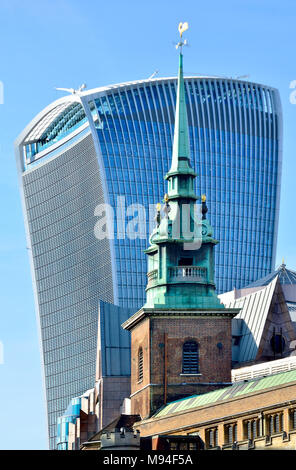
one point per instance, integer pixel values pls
(90, 148)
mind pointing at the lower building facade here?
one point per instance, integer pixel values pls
(255, 414)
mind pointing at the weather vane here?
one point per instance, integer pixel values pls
(182, 27)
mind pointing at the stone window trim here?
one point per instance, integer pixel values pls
(190, 375)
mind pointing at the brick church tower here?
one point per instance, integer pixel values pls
(181, 338)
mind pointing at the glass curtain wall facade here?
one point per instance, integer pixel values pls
(91, 148)
(235, 138)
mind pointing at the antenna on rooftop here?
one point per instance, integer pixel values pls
(72, 90)
(242, 76)
(153, 75)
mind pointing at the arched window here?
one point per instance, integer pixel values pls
(190, 358)
(140, 364)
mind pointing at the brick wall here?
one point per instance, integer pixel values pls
(140, 338)
(214, 362)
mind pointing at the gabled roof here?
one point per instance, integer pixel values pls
(286, 276)
(254, 311)
(236, 390)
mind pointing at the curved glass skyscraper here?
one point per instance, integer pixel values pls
(89, 148)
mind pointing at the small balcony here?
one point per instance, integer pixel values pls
(188, 274)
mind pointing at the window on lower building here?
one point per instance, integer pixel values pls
(186, 444)
(275, 423)
(140, 364)
(251, 428)
(292, 416)
(230, 433)
(192, 446)
(173, 445)
(211, 436)
(190, 358)
(183, 445)
(277, 343)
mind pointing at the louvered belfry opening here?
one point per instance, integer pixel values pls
(190, 358)
(140, 365)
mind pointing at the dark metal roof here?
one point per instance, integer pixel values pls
(286, 276)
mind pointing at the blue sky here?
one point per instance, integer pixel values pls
(64, 43)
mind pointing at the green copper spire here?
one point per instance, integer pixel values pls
(181, 175)
(181, 255)
(181, 151)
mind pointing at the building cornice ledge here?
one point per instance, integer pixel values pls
(176, 312)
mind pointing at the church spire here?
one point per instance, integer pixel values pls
(181, 255)
(181, 175)
(181, 151)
